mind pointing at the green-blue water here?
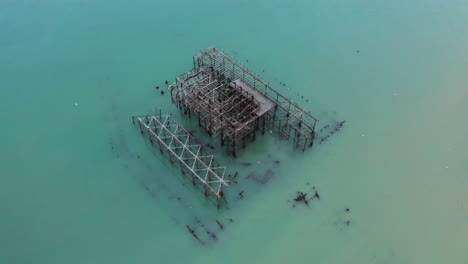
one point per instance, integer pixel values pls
(74, 178)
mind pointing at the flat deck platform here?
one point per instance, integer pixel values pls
(265, 103)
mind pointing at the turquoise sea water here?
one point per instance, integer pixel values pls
(79, 184)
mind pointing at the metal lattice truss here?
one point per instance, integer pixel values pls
(183, 150)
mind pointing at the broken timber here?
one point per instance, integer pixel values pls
(182, 149)
(234, 103)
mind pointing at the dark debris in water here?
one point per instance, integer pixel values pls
(210, 146)
(233, 179)
(302, 197)
(204, 232)
(344, 220)
(261, 178)
(328, 130)
(221, 226)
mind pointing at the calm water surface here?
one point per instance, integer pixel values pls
(78, 183)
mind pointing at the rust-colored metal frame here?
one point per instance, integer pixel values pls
(223, 108)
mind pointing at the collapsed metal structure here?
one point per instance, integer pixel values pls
(232, 102)
(183, 150)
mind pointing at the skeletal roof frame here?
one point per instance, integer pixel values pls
(232, 101)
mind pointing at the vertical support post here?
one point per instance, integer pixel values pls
(298, 138)
(150, 137)
(220, 196)
(170, 157)
(263, 125)
(141, 126)
(280, 129)
(234, 145)
(312, 136)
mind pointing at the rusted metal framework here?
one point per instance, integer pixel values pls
(234, 103)
(183, 150)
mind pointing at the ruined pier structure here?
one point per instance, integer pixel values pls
(233, 103)
(183, 150)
